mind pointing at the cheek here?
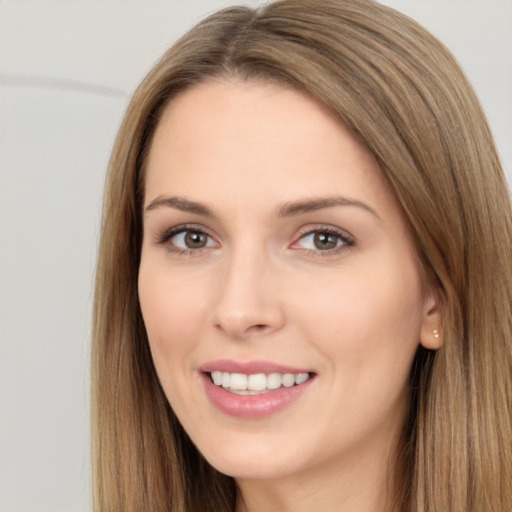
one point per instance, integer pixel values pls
(367, 323)
(171, 311)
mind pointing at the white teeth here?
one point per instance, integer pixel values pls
(274, 380)
(288, 380)
(301, 377)
(238, 381)
(256, 383)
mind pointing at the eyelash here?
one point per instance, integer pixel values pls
(346, 240)
(166, 236)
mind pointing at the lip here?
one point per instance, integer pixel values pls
(249, 367)
(251, 406)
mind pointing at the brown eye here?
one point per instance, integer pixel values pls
(183, 239)
(195, 239)
(325, 241)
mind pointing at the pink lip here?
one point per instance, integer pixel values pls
(251, 406)
(249, 367)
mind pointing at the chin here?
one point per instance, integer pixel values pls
(248, 464)
(249, 470)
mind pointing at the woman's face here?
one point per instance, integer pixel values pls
(276, 263)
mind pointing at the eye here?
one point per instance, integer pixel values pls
(191, 240)
(187, 239)
(325, 240)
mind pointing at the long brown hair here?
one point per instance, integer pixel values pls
(403, 95)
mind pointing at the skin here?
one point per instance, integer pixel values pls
(261, 289)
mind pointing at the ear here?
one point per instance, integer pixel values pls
(432, 334)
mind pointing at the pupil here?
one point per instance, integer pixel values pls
(325, 241)
(195, 240)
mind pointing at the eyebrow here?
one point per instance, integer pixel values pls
(288, 209)
(293, 208)
(180, 203)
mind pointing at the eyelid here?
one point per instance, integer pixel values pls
(163, 237)
(347, 239)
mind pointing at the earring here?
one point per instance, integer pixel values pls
(436, 333)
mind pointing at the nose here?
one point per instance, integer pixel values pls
(248, 300)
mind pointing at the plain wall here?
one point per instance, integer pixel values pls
(67, 70)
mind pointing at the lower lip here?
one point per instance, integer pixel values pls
(253, 406)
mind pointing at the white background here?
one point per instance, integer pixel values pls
(66, 72)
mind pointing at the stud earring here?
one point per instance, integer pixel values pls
(436, 333)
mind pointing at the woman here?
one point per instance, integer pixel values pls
(303, 289)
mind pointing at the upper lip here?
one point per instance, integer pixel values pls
(249, 367)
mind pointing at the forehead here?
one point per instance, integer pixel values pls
(228, 138)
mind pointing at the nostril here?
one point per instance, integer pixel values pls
(259, 327)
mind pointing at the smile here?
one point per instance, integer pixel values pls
(254, 389)
(256, 383)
